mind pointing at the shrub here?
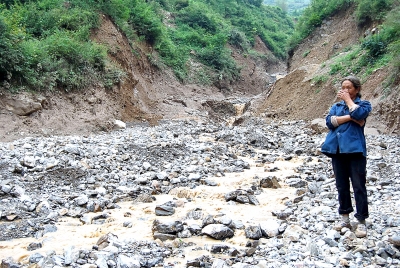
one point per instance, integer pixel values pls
(59, 17)
(219, 58)
(146, 22)
(48, 41)
(336, 68)
(11, 60)
(119, 10)
(179, 4)
(392, 33)
(320, 79)
(372, 10)
(375, 45)
(238, 39)
(196, 17)
(59, 61)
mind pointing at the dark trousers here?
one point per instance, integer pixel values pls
(351, 167)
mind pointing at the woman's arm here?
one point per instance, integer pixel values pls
(346, 118)
(358, 112)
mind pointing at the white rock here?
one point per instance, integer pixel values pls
(118, 124)
(270, 228)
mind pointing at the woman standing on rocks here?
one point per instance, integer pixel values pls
(345, 144)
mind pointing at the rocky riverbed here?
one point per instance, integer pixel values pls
(191, 194)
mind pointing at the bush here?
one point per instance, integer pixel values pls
(60, 61)
(59, 17)
(47, 42)
(146, 22)
(196, 17)
(238, 39)
(119, 10)
(179, 4)
(375, 45)
(372, 10)
(220, 59)
(320, 79)
(11, 60)
(392, 34)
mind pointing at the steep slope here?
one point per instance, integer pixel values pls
(147, 93)
(299, 96)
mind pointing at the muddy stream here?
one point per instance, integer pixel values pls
(72, 232)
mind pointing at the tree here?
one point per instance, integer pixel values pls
(282, 4)
(256, 3)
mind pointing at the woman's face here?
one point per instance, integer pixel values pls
(348, 86)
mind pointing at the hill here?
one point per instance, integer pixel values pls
(309, 88)
(267, 87)
(146, 94)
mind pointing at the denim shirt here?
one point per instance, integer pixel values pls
(348, 137)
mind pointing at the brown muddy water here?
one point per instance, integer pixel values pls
(72, 232)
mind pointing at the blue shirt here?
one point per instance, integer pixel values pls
(348, 137)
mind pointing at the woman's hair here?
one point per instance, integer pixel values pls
(355, 81)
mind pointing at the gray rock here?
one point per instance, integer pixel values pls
(33, 246)
(168, 227)
(253, 232)
(71, 255)
(164, 210)
(218, 231)
(72, 149)
(395, 240)
(34, 258)
(164, 237)
(29, 161)
(81, 200)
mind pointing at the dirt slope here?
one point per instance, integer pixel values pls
(149, 93)
(334, 35)
(297, 96)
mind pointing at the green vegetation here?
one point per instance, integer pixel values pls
(318, 80)
(305, 54)
(372, 10)
(46, 45)
(379, 49)
(366, 11)
(293, 7)
(375, 51)
(313, 16)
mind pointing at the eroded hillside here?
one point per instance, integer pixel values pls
(299, 96)
(149, 93)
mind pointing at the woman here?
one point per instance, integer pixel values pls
(345, 144)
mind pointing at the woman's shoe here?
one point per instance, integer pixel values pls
(342, 224)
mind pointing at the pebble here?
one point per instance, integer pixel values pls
(42, 179)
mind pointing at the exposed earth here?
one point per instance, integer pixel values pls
(270, 88)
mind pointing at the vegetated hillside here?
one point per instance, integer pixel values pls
(146, 93)
(149, 91)
(76, 71)
(309, 88)
(46, 44)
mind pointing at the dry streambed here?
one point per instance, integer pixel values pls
(188, 194)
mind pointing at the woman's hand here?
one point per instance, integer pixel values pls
(359, 122)
(343, 95)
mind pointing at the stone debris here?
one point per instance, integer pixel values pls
(44, 179)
